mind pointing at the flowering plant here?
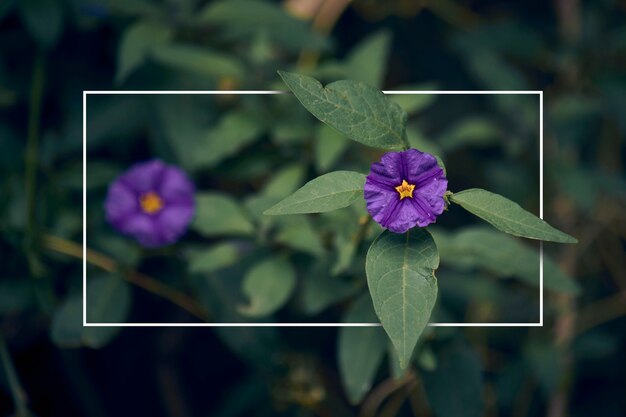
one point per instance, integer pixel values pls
(404, 192)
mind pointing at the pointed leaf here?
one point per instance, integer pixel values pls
(218, 214)
(137, 42)
(355, 109)
(400, 275)
(361, 350)
(328, 192)
(508, 216)
(268, 286)
(108, 301)
(200, 61)
(214, 258)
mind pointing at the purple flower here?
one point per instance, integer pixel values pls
(152, 202)
(405, 189)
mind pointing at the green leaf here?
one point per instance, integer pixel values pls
(401, 278)
(508, 216)
(43, 19)
(108, 301)
(459, 371)
(298, 233)
(320, 290)
(214, 258)
(234, 131)
(218, 214)
(245, 19)
(367, 61)
(284, 182)
(360, 350)
(268, 285)
(413, 103)
(357, 110)
(328, 192)
(345, 247)
(201, 61)
(419, 141)
(473, 131)
(483, 247)
(329, 146)
(137, 42)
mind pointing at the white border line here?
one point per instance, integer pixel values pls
(270, 92)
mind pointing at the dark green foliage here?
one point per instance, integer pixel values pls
(246, 153)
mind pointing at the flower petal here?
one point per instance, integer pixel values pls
(145, 176)
(173, 220)
(142, 227)
(380, 198)
(175, 186)
(404, 217)
(121, 202)
(384, 202)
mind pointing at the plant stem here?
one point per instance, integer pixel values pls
(146, 282)
(19, 397)
(31, 163)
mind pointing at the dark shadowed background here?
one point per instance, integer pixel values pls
(244, 153)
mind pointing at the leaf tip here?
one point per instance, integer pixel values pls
(570, 239)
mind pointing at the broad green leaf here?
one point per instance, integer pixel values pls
(137, 42)
(218, 214)
(367, 61)
(108, 301)
(419, 141)
(298, 233)
(508, 216)
(329, 146)
(361, 350)
(413, 103)
(459, 371)
(244, 19)
(345, 247)
(268, 285)
(426, 359)
(480, 247)
(357, 110)
(320, 290)
(123, 250)
(284, 182)
(66, 329)
(473, 131)
(234, 131)
(43, 19)
(214, 258)
(328, 192)
(401, 277)
(201, 61)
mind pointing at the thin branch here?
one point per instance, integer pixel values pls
(146, 282)
(373, 401)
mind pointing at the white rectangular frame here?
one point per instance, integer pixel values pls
(270, 92)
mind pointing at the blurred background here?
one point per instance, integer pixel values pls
(244, 153)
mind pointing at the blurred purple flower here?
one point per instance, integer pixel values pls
(405, 189)
(152, 202)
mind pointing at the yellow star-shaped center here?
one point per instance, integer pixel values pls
(405, 189)
(151, 202)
